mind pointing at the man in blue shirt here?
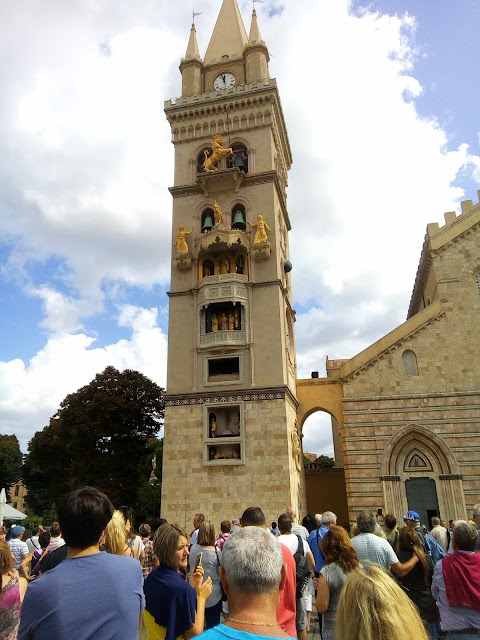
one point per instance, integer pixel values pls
(314, 539)
(92, 595)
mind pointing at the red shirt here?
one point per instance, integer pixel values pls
(287, 611)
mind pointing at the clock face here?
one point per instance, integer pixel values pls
(224, 81)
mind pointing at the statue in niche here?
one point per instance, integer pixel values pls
(231, 321)
(218, 153)
(236, 320)
(236, 424)
(224, 266)
(213, 428)
(223, 322)
(240, 267)
(214, 322)
(217, 213)
(181, 241)
(206, 270)
(261, 230)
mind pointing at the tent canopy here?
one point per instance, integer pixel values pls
(12, 514)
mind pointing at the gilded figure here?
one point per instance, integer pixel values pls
(181, 241)
(214, 322)
(223, 322)
(261, 230)
(217, 213)
(231, 321)
(224, 266)
(218, 152)
(236, 319)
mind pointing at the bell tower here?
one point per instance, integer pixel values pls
(231, 438)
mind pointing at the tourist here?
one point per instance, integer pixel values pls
(286, 614)
(56, 539)
(150, 560)
(274, 529)
(91, 594)
(32, 541)
(456, 585)
(327, 520)
(253, 574)
(211, 559)
(417, 582)
(372, 548)
(134, 542)
(412, 521)
(476, 519)
(18, 548)
(309, 523)
(373, 607)
(37, 556)
(340, 559)
(391, 531)
(292, 541)
(114, 539)
(197, 521)
(439, 533)
(297, 529)
(11, 594)
(225, 528)
(174, 607)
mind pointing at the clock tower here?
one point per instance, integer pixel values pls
(231, 438)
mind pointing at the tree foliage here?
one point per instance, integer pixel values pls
(325, 461)
(10, 461)
(100, 436)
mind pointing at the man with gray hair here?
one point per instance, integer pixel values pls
(377, 550)
(456, 585)
(253, 574)
(439, 533)
(327, 520)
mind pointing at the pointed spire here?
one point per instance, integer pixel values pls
(229, 36)
(193, 51)
(255, 37)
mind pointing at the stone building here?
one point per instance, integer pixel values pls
(230, 420)
(406, 410)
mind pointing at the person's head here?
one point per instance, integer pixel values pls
(464, 536)
(435, 521)
(443, 523)
(328, 519)
(476, 515)
(17, 531)
(225, 526)
(115, 534)
(206, 534)
(289, 511)
(309, 523)
(145, 530)
(390, 522)
(336, 547)
(252, 562)
(253, 517)
(43, 539)
(83, 515)
(409, 540)
(366, 522)
(170, 545)
(35, 531)
(55, 530)
(373, 606)
(412, 520)
(6, 558)
(198, 519)
(285, 523)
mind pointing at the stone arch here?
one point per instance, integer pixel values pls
(415, 451)
(471, 268)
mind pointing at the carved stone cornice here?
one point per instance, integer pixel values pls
(390, 478)
(239, 395)
(220, 239)
(451, 476)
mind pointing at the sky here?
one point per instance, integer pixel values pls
(381, 104)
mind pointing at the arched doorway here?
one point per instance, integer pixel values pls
(422, 498)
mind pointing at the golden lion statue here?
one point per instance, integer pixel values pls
(218, 152)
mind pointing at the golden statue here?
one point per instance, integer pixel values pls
(181, 241)
(217, 213)
(261, 231)
(218, 152)
(224, 266)
(223, 322)
(214, 322)
(236, 319)
(231, 322)
(213, 429)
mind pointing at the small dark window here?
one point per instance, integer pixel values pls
(208, 220)
(17, 490)
(239, 157)
(15, 505)
(239, 217)
(223, 369)
(410, 362)
(201, 159)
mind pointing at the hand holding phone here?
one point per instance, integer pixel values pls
(198, 560)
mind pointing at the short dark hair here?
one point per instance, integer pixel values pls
(390, 521)
(200, 517)
(35, 531)
(145, 530)
(253, 517)
(284, 523)
(55, 530)
(44, 539)
(83, 514)
(225, 526)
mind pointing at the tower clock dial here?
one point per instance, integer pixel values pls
(224, 81)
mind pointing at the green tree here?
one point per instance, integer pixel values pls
(100, 436)
(147, 507)
(10, 461)
(326, 462)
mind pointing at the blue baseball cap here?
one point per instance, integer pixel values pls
(412, 516)
(17, 530)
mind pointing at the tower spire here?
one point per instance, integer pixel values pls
(193, 52)
(255, 37)
(256, 54)
(191, 66)
(229, 36)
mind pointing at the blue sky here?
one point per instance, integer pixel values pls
(381, 102)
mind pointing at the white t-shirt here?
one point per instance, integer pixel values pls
(18, 549)
(290, 540)
(137, 544)
(377, 550)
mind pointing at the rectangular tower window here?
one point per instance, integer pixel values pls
(223, 369)
(223, 434)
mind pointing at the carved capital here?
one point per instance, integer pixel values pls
(261, 251)
(183, 260)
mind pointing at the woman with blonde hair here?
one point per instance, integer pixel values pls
(115, 536)
(11, 594)
(211, 559)
(340, 559)
(373, 607)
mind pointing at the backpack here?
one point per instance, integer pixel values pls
(302, 571)
(434, 548)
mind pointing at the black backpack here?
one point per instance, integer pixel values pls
(302, 570)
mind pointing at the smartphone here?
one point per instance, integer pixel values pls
(198, 560)
(379, 512)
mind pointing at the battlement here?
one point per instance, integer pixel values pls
(212, 96)
(452, 218)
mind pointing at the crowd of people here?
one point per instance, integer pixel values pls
(92, 576)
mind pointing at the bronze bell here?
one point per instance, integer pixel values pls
(239, 220)
(239, 161)
(208, 224)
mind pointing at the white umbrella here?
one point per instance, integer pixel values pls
(13, 514)
(3, 503)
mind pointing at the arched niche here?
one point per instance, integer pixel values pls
(239, 216)
(200, 157)
(207, 219)
(223, 263)
(239, 157)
